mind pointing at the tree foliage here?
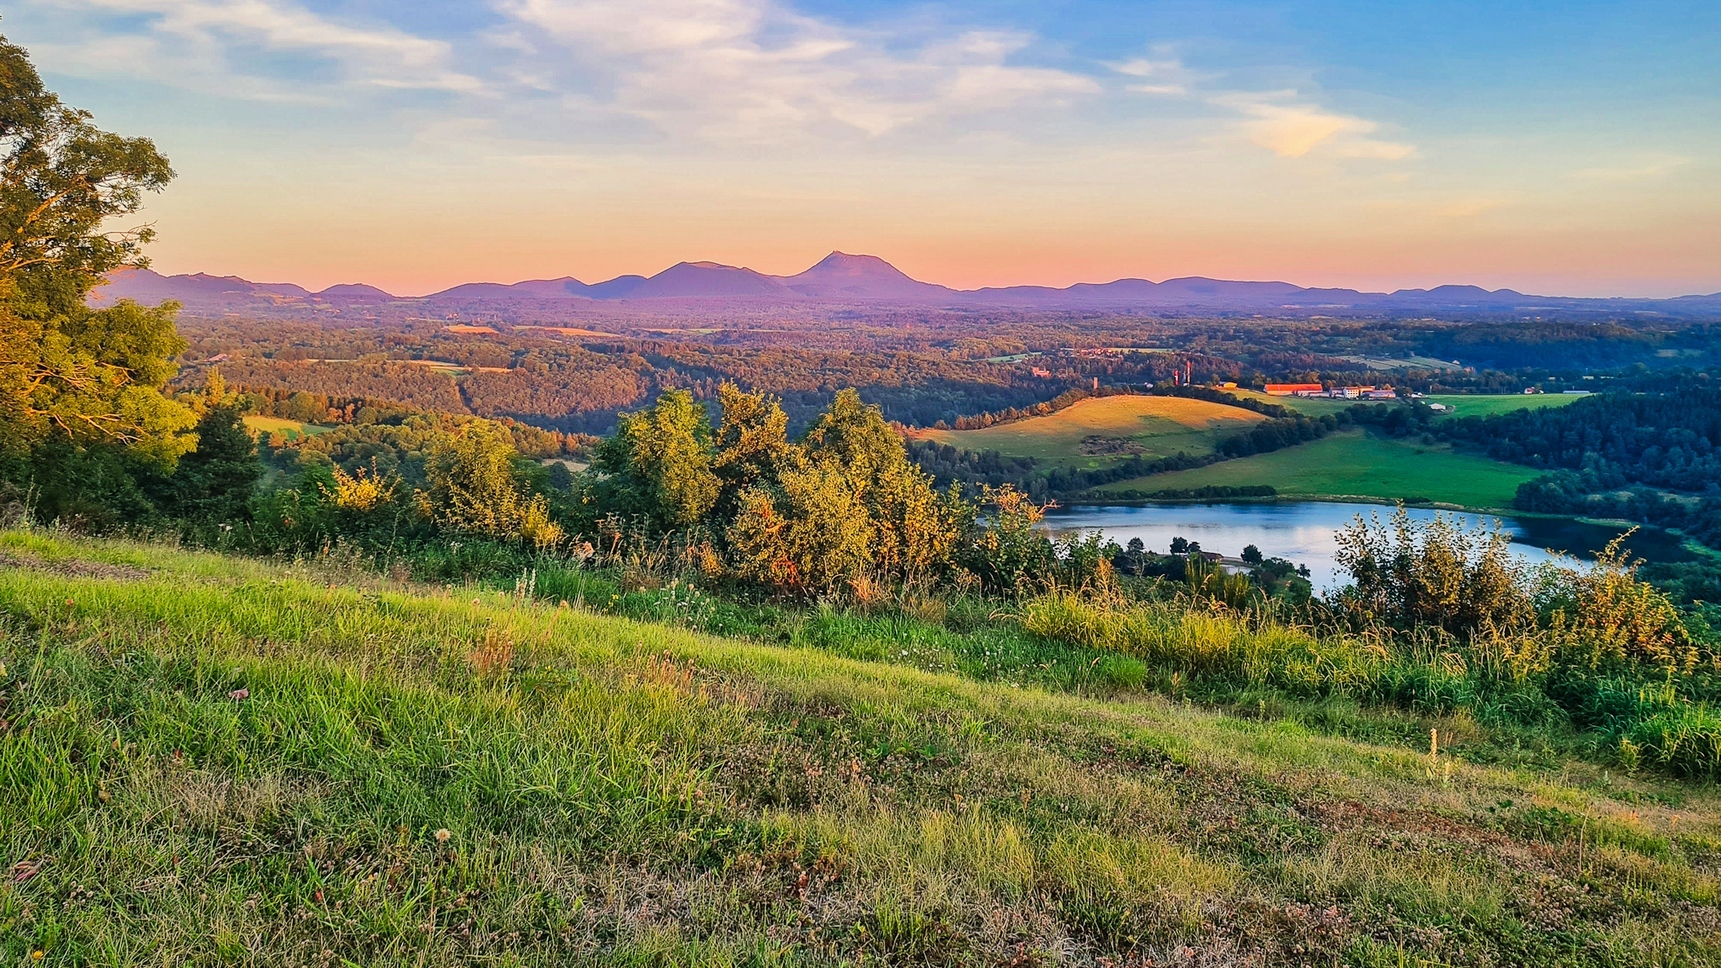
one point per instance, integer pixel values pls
(86, 376)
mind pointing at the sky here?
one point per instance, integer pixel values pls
(1568, 148)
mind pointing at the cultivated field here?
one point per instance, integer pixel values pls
(208, 761)
(1098, 431)
(1357, 464)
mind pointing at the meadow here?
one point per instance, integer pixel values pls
(1489, 404)
(208, 760)
(1101, 430)
(263, 426)
(1355, 464)
(1463, 404)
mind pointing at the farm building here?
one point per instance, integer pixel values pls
(1293, 389)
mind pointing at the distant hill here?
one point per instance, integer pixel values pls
(865, 277)
(841, 279)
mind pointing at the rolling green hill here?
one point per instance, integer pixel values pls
(210, 761)
(1097, 431)
(1355, 464)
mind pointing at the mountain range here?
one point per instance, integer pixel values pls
(863, 280)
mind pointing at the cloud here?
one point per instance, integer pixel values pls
(1160, 78)
(1290, 128)
(206, 42)
(756, 69)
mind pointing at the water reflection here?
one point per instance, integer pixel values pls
(1304, 531)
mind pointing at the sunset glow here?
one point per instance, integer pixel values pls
(415, 145)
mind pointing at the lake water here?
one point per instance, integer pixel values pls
(1304, 531)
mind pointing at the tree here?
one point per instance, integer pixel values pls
(84, 376)
(1252, 554)
(914, 529)
(473, 488)
(660, 461)
(1180, 545)
(752, 443)
(215, 482)
(1436, 573)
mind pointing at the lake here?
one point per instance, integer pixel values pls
(1303, 531)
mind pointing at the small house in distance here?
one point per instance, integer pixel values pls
(1293, 389)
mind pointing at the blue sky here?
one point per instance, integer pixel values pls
(1569, 148)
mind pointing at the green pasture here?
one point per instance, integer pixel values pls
(1357, 464)
(264, 426)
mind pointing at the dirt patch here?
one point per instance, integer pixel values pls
(73, 567)
(1098, 445)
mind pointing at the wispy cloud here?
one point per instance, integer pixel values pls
(205, 42)
(1291, 127)
(1165, 77)
(757, 68)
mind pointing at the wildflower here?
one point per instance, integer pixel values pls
(442, 835)
(239, 695)
(36, 955)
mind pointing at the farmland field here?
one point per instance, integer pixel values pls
(1487, 405)
(1095, 432)
(1356, 464)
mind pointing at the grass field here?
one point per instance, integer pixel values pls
(1313, 406)
(1463, 404)
(1357, 464)
(208, 761)
(1098, 431)
(1487, 405)
(263, 426)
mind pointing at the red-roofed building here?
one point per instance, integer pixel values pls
(1292, 389)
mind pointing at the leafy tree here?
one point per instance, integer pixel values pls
(1407, 574)
(1006, 549)
(659, 462)
(215, 482)
(752, 443)
(1180, 545)
(914, 529)
(66, 371)
(810, 533)
(1252, 554)
(473, 488)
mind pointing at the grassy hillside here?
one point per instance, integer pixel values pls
(1356, 464)
(214, 761)
(1097, 431)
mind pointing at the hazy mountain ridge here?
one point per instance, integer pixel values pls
(843, 279)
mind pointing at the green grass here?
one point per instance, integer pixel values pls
(454, 776)
(1357, 464)
(1102, 430)
(1312, 406)
(279, 425)
(1487, 405)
